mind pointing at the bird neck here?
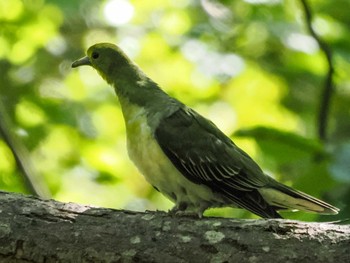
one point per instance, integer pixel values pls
(132, 84)
(140, 91)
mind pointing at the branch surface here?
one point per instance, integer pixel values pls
(36, 230)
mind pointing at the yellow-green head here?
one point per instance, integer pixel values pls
(118, 70)
(110, 62)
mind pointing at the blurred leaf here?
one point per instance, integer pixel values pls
(106, 178)
(281, 142)
(340, 164)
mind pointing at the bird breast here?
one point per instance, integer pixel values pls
(151, 161)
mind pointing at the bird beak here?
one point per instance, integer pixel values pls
(85, 61)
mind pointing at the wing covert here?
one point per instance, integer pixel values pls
(205, 153)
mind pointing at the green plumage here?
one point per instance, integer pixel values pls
(184, 155)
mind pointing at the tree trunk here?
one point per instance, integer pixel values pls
(35, 230)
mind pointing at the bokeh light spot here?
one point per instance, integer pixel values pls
(118, 12)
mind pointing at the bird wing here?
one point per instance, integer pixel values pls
(205, 155)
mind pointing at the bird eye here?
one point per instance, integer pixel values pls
(95, 55)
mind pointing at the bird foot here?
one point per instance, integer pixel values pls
(186, 214)
(181, 209)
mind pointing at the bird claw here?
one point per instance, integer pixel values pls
(181, 210)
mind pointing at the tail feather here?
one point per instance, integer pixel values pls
(286, 197)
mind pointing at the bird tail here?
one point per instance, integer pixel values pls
(284, 197)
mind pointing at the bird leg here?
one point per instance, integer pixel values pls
(183, 209)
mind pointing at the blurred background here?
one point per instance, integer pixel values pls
(251, 66)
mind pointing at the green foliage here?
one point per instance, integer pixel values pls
(250, 66)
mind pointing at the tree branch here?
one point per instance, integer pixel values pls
(328, 88)
(35, 230)
(34, 185)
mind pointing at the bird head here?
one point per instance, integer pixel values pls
(118, 70)
(109, 60)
